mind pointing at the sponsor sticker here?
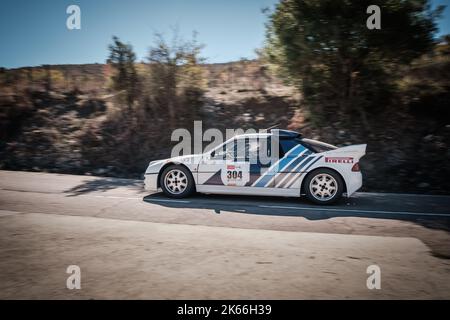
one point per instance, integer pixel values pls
(236, 174)
(339, 159)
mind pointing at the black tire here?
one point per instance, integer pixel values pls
(169, 187)
(321, 191)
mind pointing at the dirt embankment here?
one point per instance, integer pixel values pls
(70, 124)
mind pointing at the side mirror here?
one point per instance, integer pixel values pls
(212, 154)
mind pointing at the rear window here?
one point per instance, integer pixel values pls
(317, 146)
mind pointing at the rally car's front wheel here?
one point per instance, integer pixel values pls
(176, 181)
(323, 186)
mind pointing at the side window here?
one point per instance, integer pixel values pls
(253, 149)
(264, 151)
(235, 150)
(286, 145)
(226, 152)
(241, 149)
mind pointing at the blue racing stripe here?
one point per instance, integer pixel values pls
(294, 163)
(280, 166)
(317, 159)
(288, 181)
(297, 176)
(304, 163)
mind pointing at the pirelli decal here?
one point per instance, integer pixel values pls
(339, 159)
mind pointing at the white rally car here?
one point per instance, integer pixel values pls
(250, 164)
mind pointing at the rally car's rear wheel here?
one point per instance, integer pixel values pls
(176, 181)
(323, 186)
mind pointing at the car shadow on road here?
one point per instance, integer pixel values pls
(298, 207)
(102, 185)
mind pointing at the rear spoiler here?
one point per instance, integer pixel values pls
(356, 151)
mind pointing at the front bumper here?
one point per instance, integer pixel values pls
(151, 181)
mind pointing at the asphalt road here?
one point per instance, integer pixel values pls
(132, 244)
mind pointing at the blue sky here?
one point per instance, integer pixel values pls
(34, 32)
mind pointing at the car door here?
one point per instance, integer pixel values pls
(260, 156)
(225, 167)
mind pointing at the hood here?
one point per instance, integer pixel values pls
(191, 158)
(190, 161)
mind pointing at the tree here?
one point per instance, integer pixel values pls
(326, 49)
(175, 75)
(125, 77)
(48, 78)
